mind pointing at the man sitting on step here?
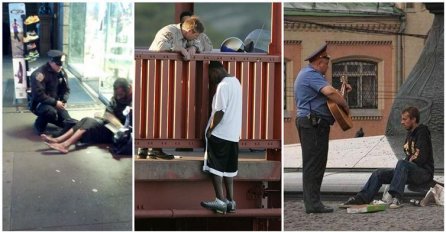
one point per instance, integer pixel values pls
(417, 168)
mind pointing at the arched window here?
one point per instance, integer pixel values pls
(362, 76)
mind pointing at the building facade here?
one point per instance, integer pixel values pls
(374, 45)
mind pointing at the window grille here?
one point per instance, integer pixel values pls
(362, 76)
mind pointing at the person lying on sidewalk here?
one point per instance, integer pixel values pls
(91, 130)
(417, 168)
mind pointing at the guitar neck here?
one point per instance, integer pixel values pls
(344, 82)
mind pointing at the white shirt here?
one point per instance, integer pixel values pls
(171, 38)
(228, 98)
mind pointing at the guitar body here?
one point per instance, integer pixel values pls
(344, 120)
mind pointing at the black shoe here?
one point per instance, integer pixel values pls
(163, 155)
(40, 126)
(352, 201)
(155, 154)
(324, 209)
(142, 153)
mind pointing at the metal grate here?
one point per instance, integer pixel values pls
(361, 75)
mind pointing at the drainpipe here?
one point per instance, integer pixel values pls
(399, 58)
(180, 7)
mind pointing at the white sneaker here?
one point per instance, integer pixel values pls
(217, 205)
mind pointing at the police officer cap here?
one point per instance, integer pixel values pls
(320, 53)
(56, 56)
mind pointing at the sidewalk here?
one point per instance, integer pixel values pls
(86, 189)
(407, 218)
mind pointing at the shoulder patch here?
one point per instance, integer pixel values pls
(169, 36)
(40, 77)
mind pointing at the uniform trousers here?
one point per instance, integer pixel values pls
(50, 114)
(314, 144)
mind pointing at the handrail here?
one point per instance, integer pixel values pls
(172, 98)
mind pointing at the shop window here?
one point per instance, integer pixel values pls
(362, 76)
(101, 42)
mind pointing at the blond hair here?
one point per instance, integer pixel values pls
(193, 23)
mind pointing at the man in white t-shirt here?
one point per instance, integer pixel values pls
(222, 137)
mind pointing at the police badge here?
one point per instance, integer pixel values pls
(40, 77)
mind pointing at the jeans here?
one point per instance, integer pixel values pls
(404, 173)
(314, 143)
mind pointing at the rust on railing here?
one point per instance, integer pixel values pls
(172, 98)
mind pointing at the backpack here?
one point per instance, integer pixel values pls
(123, 139)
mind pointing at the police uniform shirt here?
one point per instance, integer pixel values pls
(47, 86)
(308, 96)
(171, 38)
(203, 43)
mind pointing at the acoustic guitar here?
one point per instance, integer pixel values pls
(344, 119)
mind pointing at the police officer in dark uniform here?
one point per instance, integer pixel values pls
(311, 91)
(50, 92)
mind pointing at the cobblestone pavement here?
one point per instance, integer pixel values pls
(430, 218)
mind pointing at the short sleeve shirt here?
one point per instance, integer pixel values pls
(308, 96)
(203, 43)
(228, 98)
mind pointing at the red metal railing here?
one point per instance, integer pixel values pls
(173, 98)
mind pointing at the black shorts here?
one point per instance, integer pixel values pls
(95, 131)
(221, 157)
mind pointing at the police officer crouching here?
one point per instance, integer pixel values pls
(49, 94)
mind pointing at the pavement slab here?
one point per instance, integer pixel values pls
(407, 218)
(75, 189)
(86, 189)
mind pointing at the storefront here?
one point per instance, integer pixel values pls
(99, 43)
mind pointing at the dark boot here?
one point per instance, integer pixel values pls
(40, 125)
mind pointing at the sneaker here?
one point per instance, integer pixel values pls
(231, 206)
(218, 205)
(31, 33)
(31, 46)
(395, 203)
(352, 201)
(32, 19)
(30, 38)
(34, 54)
